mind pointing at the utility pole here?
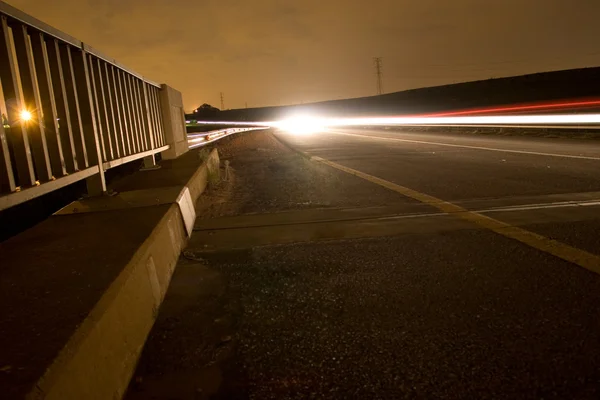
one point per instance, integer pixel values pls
(222, 102)
(378, 66)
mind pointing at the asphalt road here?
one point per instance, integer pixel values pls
(390, 265)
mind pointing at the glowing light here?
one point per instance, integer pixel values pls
(505, 120)
(520, 108)
(26, 116)
(302, 125)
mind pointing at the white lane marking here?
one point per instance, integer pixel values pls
(524, 207)
(541, 206)
(471, 147)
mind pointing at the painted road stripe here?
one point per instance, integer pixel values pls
(535, 153)
(525, 207)
(568, 253)
(540, 206)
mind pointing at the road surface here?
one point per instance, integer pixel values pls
(386, 264)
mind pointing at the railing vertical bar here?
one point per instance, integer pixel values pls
(116, 108)
(17, 136)
(135, 131)
(96, 107)
(101, 104)
(47, 98)
(140, 111)
(147, 117)
(160, 116)
(110, 111)
(153, 114)
(7, 178)
(150, 107)
(62, 106)
(86, 106)
(136, 117)
(29, 86)
(124, 107)
(91, 127)
(134, 145)
(83, 142)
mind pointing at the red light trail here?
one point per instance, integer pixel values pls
(520, 108)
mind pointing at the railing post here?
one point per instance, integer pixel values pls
(7, 179)
(150, 162)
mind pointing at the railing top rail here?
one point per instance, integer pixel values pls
(19, 15)
(152, 83)
(89, 49)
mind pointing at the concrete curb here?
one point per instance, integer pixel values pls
(100, 357)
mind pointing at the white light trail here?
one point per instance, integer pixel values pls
(303, 125)
(554, 120)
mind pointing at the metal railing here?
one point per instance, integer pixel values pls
(68, 112)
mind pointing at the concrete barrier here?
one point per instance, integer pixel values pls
(100, 357)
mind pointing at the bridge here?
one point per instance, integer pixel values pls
(329, 258)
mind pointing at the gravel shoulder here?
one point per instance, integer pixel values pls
(267, 176)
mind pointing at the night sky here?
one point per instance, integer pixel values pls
(271, 52)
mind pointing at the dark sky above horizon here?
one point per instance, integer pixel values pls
(272, 52)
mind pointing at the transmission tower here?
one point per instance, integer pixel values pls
(222, 102)
(378, 66)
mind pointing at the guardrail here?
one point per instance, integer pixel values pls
(203, 138)
(68, 112)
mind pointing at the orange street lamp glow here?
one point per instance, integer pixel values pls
(26, 116)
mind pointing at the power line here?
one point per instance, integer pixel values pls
(378, 66)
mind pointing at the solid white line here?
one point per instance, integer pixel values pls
(524, 207)
(541, 206)
(470, 147)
